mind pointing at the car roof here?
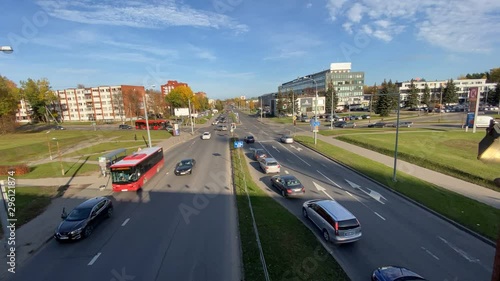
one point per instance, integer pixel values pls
(335, 210)
(91, 202)
(288, 177)
(206, 132)
(270, 159)
(395, 272)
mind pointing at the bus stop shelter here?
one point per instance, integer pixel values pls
(110, 158)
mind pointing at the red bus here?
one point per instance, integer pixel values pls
(158, 124)
(133, 171)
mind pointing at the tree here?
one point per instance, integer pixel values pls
(219, 105)
(426, 97)
(281, 103)
(156, 104)
(38, 95)
(496, 95)
(9, 100)
(387, 99)
(329, 94)
(494, 75)
(412, 99)
(133, 103)
(179, 97)
(450, 93)
(80, 86)
(118, 105)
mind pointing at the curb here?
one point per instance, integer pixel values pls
(452, 222)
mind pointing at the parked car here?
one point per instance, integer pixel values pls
(365, 116)
(407, 124)
(125, 127)
(345, 124)
(269, 165)
(206, 136)
(82, 220)
(170, 128)
(249, 139)
(395, 273)
(259, 154)
(286, 139)
(184, 167)
(305, 119)
(288, 185)
(337, 224)
(59, 127)
(378, 125)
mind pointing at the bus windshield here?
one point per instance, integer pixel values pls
(124, 175)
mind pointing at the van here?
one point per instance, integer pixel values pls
(336, 223)
(481, 121)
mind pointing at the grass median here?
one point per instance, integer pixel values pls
(291, 250)
(472, 214)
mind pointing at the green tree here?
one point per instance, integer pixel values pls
(38, 95)
(281, 104)
(450, 93)
(9, 100)
(494, 75)
(179, 97)
(384, 102)
(426, 97)
(412, 99)
(496, 95)
(329, 94)
(219, 105)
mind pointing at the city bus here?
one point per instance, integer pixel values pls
(133, 171)
(158, 124)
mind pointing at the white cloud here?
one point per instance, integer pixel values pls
(158, 14)
(201, 53)
(309, 5)
(291, 44)
(458, 25)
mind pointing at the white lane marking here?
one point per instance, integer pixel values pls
(329, 179)
(286, 172)
(372, 193)
(125, 222)
(323, 165)
(459, 251)
(295, 154)
(429, 252)
(94, 259)
(265, 133)
(379, 215)
(322, 189)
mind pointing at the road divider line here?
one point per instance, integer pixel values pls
(92, 261)
(459, 251)
(429, 252)
(379, 215)
(295, 154)
(125, 222)
(334, 183)
(286, 172)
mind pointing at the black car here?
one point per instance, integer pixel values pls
(249, 139)
(125, 127)
(288, 185)
(83, 219)
(395, 273)
(184, 167)
(59, 127)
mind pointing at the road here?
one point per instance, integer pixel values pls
(395, 231)
(178, 228)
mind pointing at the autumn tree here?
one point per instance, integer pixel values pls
(38, 95)
(157, 105)
(133, 102)
(118, 104)
(9, 99)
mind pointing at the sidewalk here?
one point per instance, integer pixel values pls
(37, 232)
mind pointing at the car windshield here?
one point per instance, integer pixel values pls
(185, 163)
(272, 163)
(79, 214)
(293, 182)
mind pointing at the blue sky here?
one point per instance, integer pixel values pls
(229, 48)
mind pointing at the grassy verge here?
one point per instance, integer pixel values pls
(291, 250)
(53, 170)
(32, 201)
(103, 148)
(474, 215)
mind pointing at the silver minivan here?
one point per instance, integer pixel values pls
(336, 223)
(270, 165)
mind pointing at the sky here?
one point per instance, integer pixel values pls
(233, 48)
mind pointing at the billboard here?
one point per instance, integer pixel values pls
(181, 111)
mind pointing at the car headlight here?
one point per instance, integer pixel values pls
(78, 231)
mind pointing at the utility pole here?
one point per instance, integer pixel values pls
(190, 118)
(147, 120)
(331, 113)
(496, 264)
(261, 109)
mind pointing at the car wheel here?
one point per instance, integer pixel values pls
(88, 231)
(304, 212)
(110, 212)
(283, 193)
(326, 236)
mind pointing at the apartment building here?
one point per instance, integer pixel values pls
(171, 84)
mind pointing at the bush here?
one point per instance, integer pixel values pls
(21, 169)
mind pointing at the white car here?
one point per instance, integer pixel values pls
(206, 136)
(286, 139)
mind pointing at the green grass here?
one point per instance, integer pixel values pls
(53, 170)
(474, 215)
(103, 148)
(452, 152)
(287, 243)
(32, 201)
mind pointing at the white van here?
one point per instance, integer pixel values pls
(483, 121)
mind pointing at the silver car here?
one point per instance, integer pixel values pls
(336, 223)
(270, 165)
(286, 139)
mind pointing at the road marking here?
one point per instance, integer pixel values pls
(429, 252)
(372, 193)
(286, 172)
(322, 189)
(379, 215)
(265, 133)
(323, 165)
(295, 154)
(94, 259)
(329, 179)
(459, 251)
(125, 222)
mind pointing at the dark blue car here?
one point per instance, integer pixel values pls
(395, 273)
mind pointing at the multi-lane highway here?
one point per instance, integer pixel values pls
(395, 231)
(178, 228)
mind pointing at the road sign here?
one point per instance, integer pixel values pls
(316, 123)
(238, 144)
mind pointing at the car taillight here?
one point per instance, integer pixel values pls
(267, 167)
(288, 191)
(336, 226)
(304, 189)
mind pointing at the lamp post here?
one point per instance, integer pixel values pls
(315, 131)
(190, 117)
(147, 120)
(59, 155)
(261, 109)
(48, 144)
(397, 137)
(6, 49)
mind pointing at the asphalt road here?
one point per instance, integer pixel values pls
(395, 231)
(178, 228)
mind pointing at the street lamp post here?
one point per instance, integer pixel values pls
(190, 116)
(59, 155)
(48, 144)
(147, 120)
(397, 137)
